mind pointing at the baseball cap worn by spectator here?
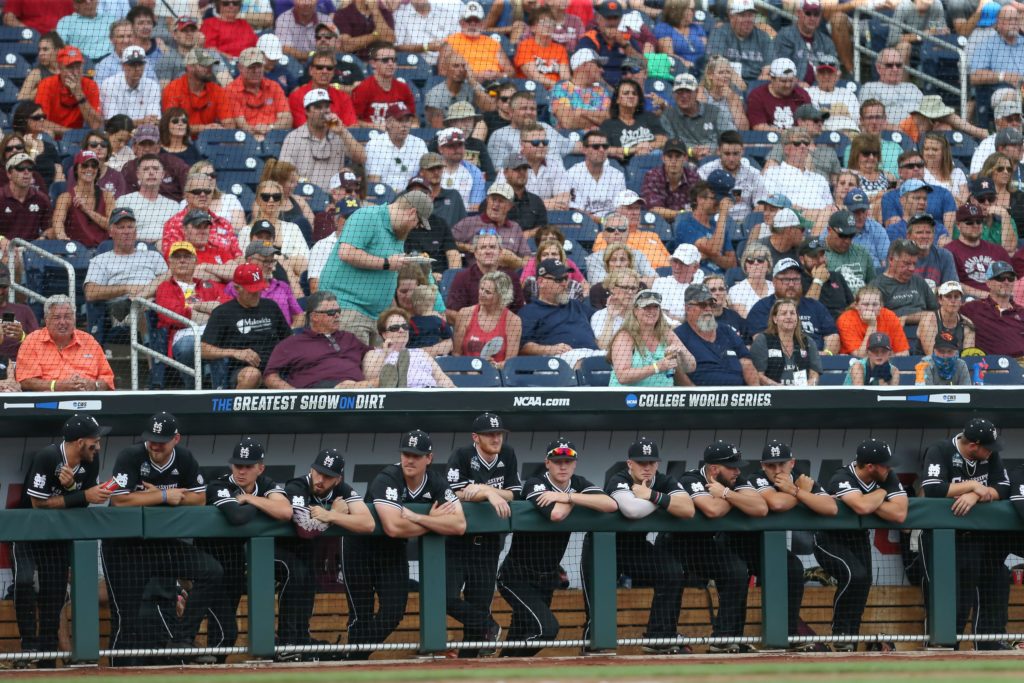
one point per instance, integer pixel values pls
(932, 107)
(133, 54)
(740, 6)
(248, 451)
(554, 268)
(270, 45)
(460, 110)
(811, 245)
(675, 145)
(843, 223)
(449, 136)
(249, 276)
(776, 451)
(685, 82)
(989, 14)
(783, 265)
(873, 452)
(431, 160)
(782, 67)
(612, 9)
(201, 57)
(779, 201)
(313, 96)
(628, 198)
(19, 158)
(502, 189)
(473, 10)
(945, 340)
(697, 294)
(119, 214)
(921, 218)
(723, 453)
(1009, 136)
(85, 155)
(348, 180)
(329, 462)
(185, 22)
(262, 248)
(147, 132)
(423, 204)
(721, 183)
(263, 227)
(808, 112)
(417, 183)
(562, 449)
(182, 246)
(786, 218)
(633, 65)
(950, 286)
(397, 110)
(969, 213)
(982, 432)
(517, 160)
(582, 56)
(488, 423)
(998, 269)
(982, 186)
(416, 442)
(83, 427)
(197, 216)
(69, 55)
(348, 206)
(250, 56)
(1007, 108)
(879, 340)
(827, 63)
(161, 428)
(687, 254)
(856, 200)
(913, 185)
(643, 450)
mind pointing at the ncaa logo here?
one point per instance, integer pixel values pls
(631, 400)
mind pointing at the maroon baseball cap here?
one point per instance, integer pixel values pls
(249, 276)
(397, 110)
(969, 212)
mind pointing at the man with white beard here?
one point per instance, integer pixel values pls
(722, 357)
(554, 324)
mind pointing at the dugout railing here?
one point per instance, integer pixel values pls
(85, 528)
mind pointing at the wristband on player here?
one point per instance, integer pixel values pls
(664, 500)
(75, 499)
(163, 495)
(655, 497)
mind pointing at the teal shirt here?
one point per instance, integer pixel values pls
(642, 358)
(368, 292)
(91, 36)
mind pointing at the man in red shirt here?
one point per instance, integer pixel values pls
(773, 106)
(219, 248)
(258, 104)
(40, 15)
(69, 100)
(321, 71)
(203, 100)
(226, 32)
(372, 97)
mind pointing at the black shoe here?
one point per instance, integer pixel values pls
(882, 646)
(992, 646)
(732, 649)
(669, 649)
(491, 635)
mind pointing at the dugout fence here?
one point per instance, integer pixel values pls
(84, 529)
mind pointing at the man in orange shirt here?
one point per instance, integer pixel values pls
(484, 56)
(69, 100)
(196, 93)
(258, 104)
(59, 357)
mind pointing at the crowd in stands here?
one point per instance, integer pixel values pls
(337, 193)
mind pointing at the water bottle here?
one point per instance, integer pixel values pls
(919, 371)
(978, 373)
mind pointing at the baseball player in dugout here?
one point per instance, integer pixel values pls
(317, 500)
(868, 486)
(486, 472)
(241, 495)
(716, 489)
(59, 476)
(969, 469)
(158, 471)
(784, 486)
(378, 565)
(639, 490)
(530, 573)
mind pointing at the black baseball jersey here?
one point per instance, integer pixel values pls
(621, 484)
(42, 480)
(943, 465)
(465, 466)
(762, 482)
(845, 481)
(133, 468)
(389, 488)
(222, 491)
(695, 482)
(299, 492)
(1017, 489)
(535, 553)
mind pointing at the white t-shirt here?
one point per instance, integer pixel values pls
(412, 28)
(137, 268)
(595, 196)
(320, 254)
(393, 165)
(805, 189)
(293, 244)
(459, 180)
(150, 216)
(672, 295)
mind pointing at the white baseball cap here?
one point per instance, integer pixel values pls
(687, 254)
(786, 218)
(270, 46)
(315, 95)
(628, 198)
(474, 10)
(740, 6)
(581, 57)
(782, 66)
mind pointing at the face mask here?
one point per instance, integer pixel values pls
(945, 367)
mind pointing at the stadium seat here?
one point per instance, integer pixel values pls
(595, 371)
(380, 193)
(961, 146)
(8, 94)
(225, 145)
(832, 379)
(227, 178)
(1002, 370)
(757, 144)
(57, 188)
(835, 140)
(314, 196)
(640, 167)
(575, 225)
(243, 192)
(663, 271)
(467, 371)
(71, 142)
(413, 68)
(270, 148)
(655, 223)
(362, 135)
(537, 371)
(899, 138)
(840, 363)
(425, 134)
(19, 40)
(47, 278)
(906, 363)
(14, 67)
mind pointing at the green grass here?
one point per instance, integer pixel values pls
(764, 671)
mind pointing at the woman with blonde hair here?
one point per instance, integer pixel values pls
(939, 169)
(756, 264)
(223, 204)
(645, 350)
(615, 257)
(294, 208)
(680, 35)
(489, 329)
(622, 286)
(718, 87)
(294, 255)
(781, 354)
(1001, 169)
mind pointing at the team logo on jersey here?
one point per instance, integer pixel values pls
(33, 208)
(1022, 489)
(762, 481)
(298, 501)
(453, 474)
(696, 487)
(622, 485)
(934, 470)
(38, 481)
(427, 495)
(145, 470)
(199, 479)
(223, 493)
(449, 495)
(538, 488)
(844, 485)
(391, 493)
(122, 480)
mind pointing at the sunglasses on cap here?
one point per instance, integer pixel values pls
(562, 452)
(487, 231)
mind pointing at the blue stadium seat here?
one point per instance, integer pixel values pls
(661, 87)
(228, 144)
(362, 135)
(540, 94)
(575, 225)
(14, 67)
(471, 372)
(47, 278)
(243, 192)
(380, 193)
(832, 379)
(537, 371)
(424, 133)
(413, 68)
(57, 188)
(1002, 370)
(8, 94)
(314, 196)
(225, 179)
(835, 140)
(640, 167)
(663, 271)
(270, 148)
(840, 363)
(899, 138)
(905, 363)
(447, 277)
(758, 144)
(961, 146)
(19, 40)
(71, 142)
(595, 371)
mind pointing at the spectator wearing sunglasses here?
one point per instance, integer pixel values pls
(972, 254)
(554, 324)
(595, 183)
(939, 201)
(756, 264)
(843, 254)
(823, 160)
(891, 89)
(1008, 114)
(997, 227)
(998, 320)
(817, 281)
(393, 364)
(219, 246)
(545, 178)
(227, 32)
(322, 68)
(815, 320)
(804, 43)
(25, 210)
(374, 96)
(81, 213)
(808, 191)
(299, 27)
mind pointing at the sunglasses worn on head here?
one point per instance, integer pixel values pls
(270, 196)
(397, 328)
(487, 231)
(562, 452)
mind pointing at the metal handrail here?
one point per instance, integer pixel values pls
(32, 294)
(925, 37)
(195, 371)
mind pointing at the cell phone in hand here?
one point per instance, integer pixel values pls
(7, 317)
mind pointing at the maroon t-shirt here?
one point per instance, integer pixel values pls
(972, 262)
(465, 289)
(995, 332)
(351, 22)
(27, 219)
(763, 107)
(310, 359)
